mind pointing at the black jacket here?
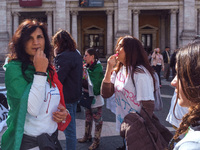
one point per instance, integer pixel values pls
(173, 60)
(165, 58)
(69, 66)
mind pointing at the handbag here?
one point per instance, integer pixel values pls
(86, 100)
(139, 127)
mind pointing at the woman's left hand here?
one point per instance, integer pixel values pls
(61, 114)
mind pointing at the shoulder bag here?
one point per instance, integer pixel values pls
(86, 100)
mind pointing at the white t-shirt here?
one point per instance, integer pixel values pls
(42, 102)
(127, 97)
(99, 101)
(179, 112)
(110, 103)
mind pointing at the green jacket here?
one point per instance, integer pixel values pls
(96, 77)
(17, 95)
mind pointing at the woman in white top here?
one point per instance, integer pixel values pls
(131, 80)
(157, 62)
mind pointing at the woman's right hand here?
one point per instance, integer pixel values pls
(40, 61)
(111, 62)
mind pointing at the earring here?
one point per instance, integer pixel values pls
(91, 62)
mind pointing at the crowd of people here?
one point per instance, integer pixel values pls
(45, 80)
(163, 61)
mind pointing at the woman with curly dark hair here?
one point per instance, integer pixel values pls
(187, 83)
(34, 93)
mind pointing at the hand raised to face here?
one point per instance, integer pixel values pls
(40, 61)
(111, 62)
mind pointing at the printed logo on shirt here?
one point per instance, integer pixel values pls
(52, 92)
(121, 77)
(127, 94)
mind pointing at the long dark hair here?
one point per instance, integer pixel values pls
(64, 41)
(188, 71)
(19, 40)
(135, 56)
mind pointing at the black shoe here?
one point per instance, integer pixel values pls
(78, 109)
(121, 148)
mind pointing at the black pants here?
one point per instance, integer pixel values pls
(44, 141)
(157, 68)
(173, 72)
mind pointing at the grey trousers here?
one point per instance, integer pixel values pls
(166, 71)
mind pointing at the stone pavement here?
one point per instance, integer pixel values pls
(110, 139)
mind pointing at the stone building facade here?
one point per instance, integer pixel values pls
(98, 23)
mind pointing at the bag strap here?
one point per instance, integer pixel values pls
(146, 127)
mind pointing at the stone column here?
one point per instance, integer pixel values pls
(16, 21)
(136, 23)
(173, 30)
(60, 17)
(109, 32)
(115, 34)
(180, 25)
(9, 20)
(49, 22)
(189, 23)
(4, 36)
(74, 25)
(3, 16)
(115, 21)
(198, 21)
(130, 22)
(162, 32)
(122, 15)
(67, 18)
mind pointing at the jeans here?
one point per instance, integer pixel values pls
(70, 131)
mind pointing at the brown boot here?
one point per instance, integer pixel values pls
(97, 136)
(94, 145)
(88, 130)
